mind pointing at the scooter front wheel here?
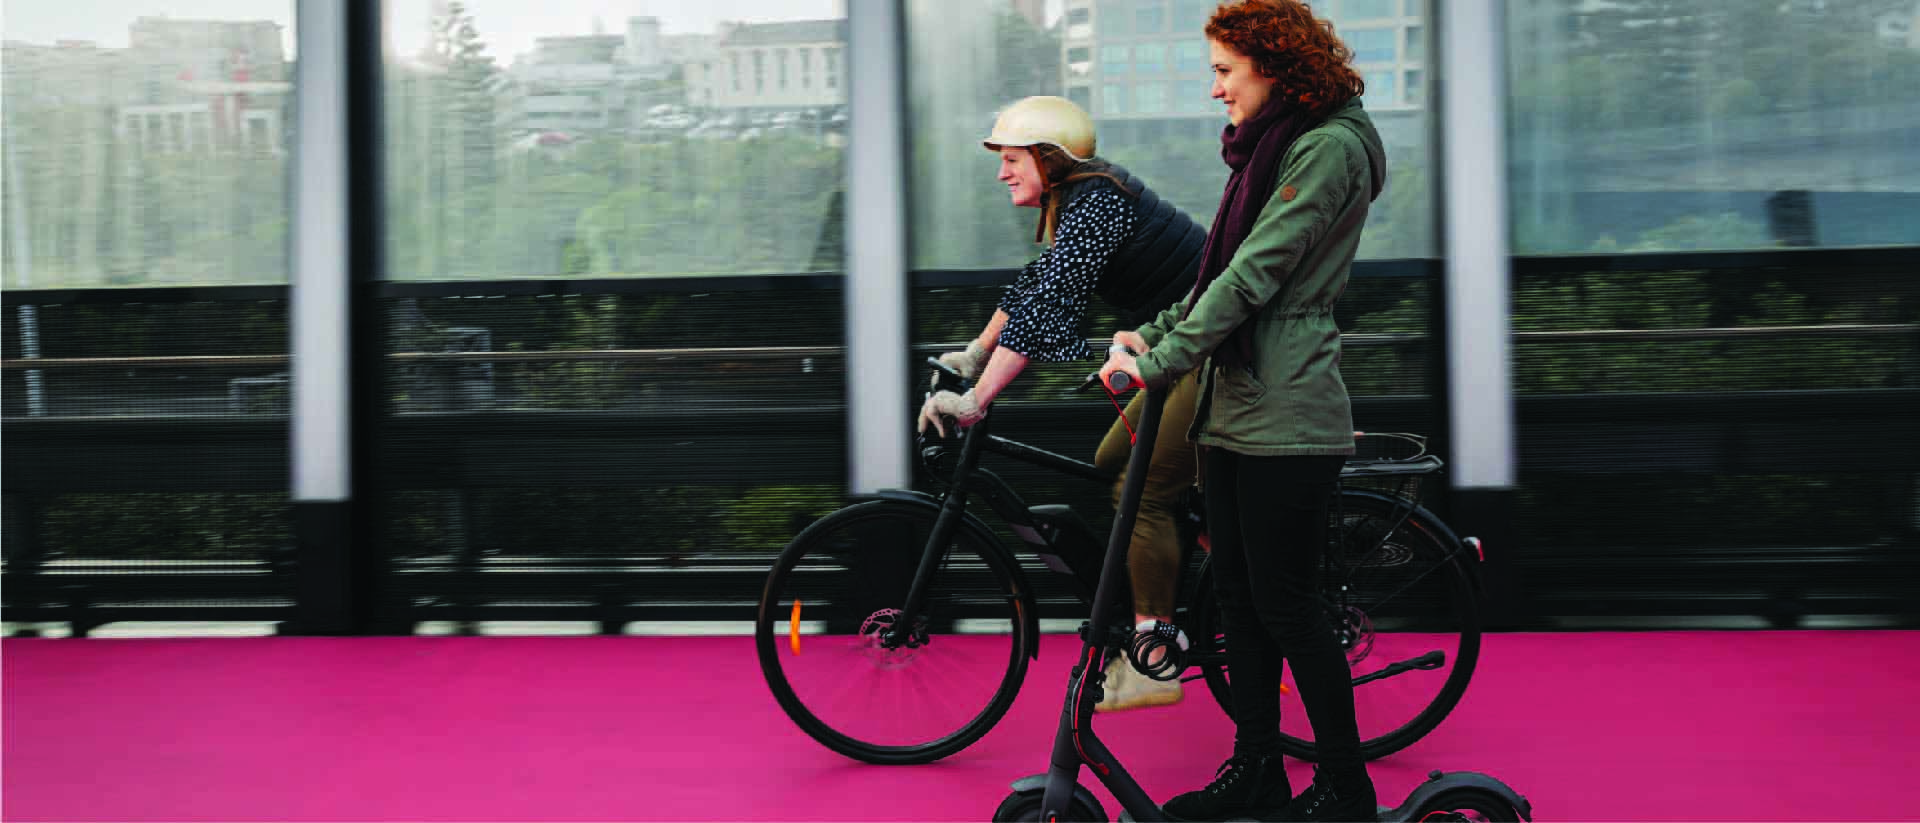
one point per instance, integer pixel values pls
(1024, 806)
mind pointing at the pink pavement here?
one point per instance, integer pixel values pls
(1589, 726)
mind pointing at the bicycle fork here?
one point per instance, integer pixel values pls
(952, 508)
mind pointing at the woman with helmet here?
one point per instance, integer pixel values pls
(1274, 422)
(1106, 234)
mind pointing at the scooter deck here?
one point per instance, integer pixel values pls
(1438, 783)
(1386, 816)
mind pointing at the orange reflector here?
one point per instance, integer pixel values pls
(793, 628)
(1285, 690)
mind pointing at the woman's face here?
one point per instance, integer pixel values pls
(1238, 83)
(1021, 172)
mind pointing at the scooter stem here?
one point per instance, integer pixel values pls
(1074, 743)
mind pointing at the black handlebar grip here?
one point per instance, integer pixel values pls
(1119, 381)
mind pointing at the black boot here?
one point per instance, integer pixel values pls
(1350, 799)
(1244, 786)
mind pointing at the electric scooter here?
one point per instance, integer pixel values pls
(1057, 795)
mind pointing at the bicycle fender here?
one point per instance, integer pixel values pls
(984, 536)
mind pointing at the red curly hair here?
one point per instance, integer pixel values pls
(1307, 61)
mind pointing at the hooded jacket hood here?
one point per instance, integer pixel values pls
(1354, 118)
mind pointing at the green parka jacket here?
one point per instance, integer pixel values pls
(1288, 273)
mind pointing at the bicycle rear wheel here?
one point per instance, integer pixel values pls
(838, 586)
(1408, 617)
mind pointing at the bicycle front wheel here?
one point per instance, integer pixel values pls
(823, 626)
(1402, 596)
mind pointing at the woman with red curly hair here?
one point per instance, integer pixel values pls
(1273, 418)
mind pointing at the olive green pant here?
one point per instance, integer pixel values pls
(1153, 558)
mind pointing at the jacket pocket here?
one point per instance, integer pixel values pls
(1241, 384)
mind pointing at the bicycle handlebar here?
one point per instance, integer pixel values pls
(949, 378)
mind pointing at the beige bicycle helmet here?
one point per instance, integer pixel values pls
(1054, 121)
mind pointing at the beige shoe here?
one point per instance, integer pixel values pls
(1127, 689)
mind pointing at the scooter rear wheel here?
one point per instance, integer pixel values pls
(1466, 805)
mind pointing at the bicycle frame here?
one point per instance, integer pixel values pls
(969, 478)
(1075, 744)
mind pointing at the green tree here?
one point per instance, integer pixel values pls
(454, 162)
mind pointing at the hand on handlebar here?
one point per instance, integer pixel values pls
(963, 408)
(1120, 360)
(968, 362)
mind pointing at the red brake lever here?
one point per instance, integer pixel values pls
(1132, 436)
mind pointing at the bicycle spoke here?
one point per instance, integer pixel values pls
(917, 701)
(1409, 584)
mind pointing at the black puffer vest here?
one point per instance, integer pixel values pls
(1157, 264)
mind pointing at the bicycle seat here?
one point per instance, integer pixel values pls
(1058, 515)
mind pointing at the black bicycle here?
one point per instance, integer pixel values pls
(898, 630)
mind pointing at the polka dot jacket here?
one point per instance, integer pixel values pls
(1046, 303)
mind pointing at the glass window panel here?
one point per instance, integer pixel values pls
(1379, 88)
(142, 149)
(1711, 125)
(144, 144)
(1371, 45)
(1401, 222)
(967, 62)
(1150, 99)
(1197, 96)
(1150, 17)
(1191, 15)
(1192, 56)
(614, 144)
(1150, 58)
(1115, 18)
(1367, 9)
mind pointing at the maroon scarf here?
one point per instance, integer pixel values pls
(1253, 150)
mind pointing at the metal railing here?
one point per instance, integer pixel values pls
(713, 355)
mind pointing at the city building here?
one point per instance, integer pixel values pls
(772, 67)
(1141, 67)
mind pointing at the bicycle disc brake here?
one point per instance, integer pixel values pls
(1355, 631)
(874, 639)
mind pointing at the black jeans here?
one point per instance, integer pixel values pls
(1267, 517)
